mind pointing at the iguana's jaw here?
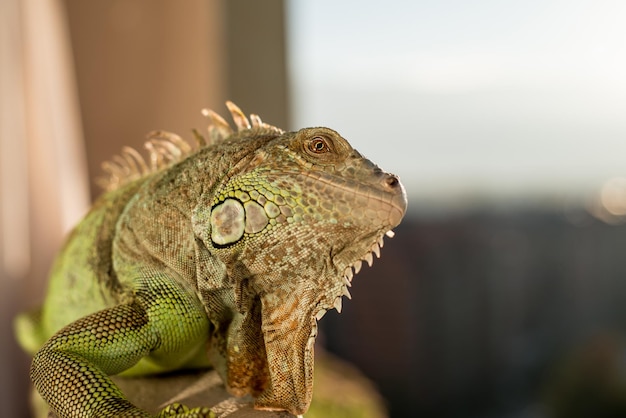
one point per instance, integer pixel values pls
(387, 208)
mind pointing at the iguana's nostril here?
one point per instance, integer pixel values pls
(391, 181)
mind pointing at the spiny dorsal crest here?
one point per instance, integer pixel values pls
(166, 148)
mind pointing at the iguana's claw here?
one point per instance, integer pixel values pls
(177, 410)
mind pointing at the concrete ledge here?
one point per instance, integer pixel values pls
(196, 388)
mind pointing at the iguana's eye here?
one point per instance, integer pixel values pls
(319, 145)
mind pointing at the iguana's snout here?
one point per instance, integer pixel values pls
(398, 201)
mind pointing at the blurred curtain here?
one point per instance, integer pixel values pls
(43, 188)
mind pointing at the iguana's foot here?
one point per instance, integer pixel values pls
(177, 410)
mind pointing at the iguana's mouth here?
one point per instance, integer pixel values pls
(386, 197)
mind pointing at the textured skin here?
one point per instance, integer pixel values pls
(225, 255)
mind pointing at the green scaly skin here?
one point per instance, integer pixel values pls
(226, 256)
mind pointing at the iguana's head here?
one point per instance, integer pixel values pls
(305, 198)
(292, 219)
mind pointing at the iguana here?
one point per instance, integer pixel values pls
(223, 254)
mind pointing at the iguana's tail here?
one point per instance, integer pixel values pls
(28, 332)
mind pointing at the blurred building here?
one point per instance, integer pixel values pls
(483, 314)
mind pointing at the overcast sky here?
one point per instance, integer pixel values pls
(469, 98)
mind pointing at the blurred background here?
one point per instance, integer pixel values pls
(503, 292)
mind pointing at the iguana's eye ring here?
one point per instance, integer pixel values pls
(318, 145)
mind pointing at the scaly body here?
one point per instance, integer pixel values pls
(225, 255)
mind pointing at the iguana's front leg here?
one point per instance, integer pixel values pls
(71, 370)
